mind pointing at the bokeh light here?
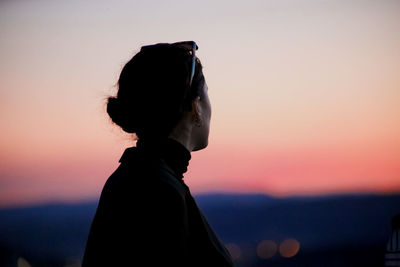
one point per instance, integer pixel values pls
(21, 262)
(289, 248)
(267, 249)
(234, 250)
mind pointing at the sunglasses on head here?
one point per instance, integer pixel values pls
(190, 46)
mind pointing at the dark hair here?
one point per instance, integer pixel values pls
(153, 91)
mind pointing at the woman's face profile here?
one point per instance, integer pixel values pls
(201, 132)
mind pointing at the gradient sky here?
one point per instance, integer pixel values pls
(305, 94)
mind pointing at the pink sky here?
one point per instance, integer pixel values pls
(305, 97)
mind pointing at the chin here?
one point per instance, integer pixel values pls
(201, 146)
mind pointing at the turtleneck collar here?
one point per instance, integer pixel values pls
(171, 151)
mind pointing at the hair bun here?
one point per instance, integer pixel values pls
(118, 115)
(113, 107)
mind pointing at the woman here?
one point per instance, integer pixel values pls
(146, 214)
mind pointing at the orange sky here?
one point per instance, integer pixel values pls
(305, 97)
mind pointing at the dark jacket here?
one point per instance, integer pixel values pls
(147, 216)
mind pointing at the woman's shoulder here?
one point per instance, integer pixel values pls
(144, 176)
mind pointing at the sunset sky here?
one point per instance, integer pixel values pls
(305, 94)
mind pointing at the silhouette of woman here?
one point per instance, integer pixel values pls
(146, 215)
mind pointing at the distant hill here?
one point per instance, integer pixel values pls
(346, 230)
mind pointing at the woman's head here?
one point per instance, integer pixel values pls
(154, 95)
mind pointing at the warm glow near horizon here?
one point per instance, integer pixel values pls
(305, 95)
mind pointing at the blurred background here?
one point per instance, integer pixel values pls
(303, 162)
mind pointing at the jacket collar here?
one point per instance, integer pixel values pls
(175, 155)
